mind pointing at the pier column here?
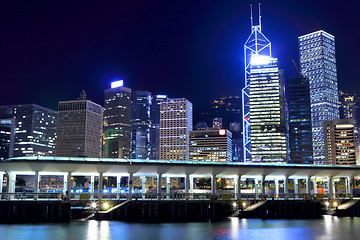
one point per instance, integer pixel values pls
(168, 184)
(11, 184)
(1, 183)
(92, 187)
(36, 185)
(286, 187)
(118, 186)
(256, 181)
(314, 186)
(237, 187)
(213, 184)
(349, 187)
(143, 186)
(296, 187)
(158, 185)
(101, 184)
(191, 185)
(130, 182)
(187, 180)
(263, 185)
(308, 192)
(331, 187)
(277, 188)
(68, 186)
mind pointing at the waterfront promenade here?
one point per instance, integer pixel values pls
(244, 180)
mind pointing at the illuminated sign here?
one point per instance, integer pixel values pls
(161, 96)
(222, 132)
(117, 84)
(257, 59)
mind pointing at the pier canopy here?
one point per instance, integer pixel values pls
(137, 167)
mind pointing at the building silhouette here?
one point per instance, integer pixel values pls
(140, 125)
(300, 129)
(79, 129)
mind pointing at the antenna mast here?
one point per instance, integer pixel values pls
(260, 16)
(251, 16)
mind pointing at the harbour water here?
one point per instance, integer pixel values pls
(328, 227)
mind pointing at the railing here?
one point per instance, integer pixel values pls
(175, 196)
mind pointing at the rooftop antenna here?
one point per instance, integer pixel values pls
(251, 16)
(260, 16)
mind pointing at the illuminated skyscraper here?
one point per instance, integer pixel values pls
(7, 137)
(264, 128)
(318, 64)
(35, 129)
(175, 124)
(155, 125)
(117, 124)
(340, 142)
(211, 144)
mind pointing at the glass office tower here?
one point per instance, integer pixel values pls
(140, 125)
(318, 64)
(35, 129)
(263, 106)
(117, 124)
(267, 111)
(300, 130)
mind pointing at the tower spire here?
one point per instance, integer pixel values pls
(251, 16)
(260, 16)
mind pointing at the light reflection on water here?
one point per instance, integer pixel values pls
(327, 227)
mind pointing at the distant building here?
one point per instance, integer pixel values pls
(350, 108)
(117, 123)
(318, 64)
(217, 122)
(140, 125)
(175, 123)
(340, 142)
(35, 129)
(300, 128)
(200, 126)
(7, 138)
(210, 145)
(79, 129)
(155, 125)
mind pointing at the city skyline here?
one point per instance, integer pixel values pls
(162, 48)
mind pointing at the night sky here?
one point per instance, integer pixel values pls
(50, 51)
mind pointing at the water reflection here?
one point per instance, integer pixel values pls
(327, 227)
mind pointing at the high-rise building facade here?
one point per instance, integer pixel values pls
(117, 121)
(350, 108)
(318, 64)
(7, 138)
(299, 114)
(263, 107)
(210, 145)
(140, 125)
(35, 129)
(268, 134)
(340, 142)
(176, 120)
(79, 129)
(155, 125)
